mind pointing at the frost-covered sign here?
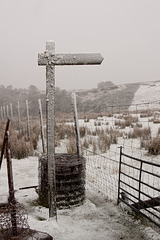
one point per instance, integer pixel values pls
(50, 59)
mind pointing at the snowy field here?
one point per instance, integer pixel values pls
(96, 219)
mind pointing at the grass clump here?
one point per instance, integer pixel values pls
(20, 145)
(152, 146)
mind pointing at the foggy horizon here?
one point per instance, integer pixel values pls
(126, 33)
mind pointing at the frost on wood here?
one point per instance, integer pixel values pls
(70, 59)
(70, 180)
(50, 97)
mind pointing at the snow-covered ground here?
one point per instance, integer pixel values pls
(147, 93)
(96, 219)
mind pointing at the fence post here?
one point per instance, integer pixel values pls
(139, 189)
(41, 123)
(18, 116)
(2, 114)
(28, 127)
(119, 178)
(12, 200)
(76, 124)
(7, 109)
(4, 142)
(11, 110)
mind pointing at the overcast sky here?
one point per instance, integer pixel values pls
(125, 32)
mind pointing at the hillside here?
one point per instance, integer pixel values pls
(97, 100)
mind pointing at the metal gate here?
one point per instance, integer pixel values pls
(139, 186)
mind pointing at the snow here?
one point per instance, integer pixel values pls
(147, 93)
(96, 219)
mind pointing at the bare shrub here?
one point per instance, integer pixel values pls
(64, 130)
(143, 143)
(141, 133)
(20, 148)
(129, 120)
(94, 146)
(104, 142)
(63, 117)
(86, 143)
(113, 136)
(21, 145)
(156, 120)
(82, 131)
(71, 146)
(97, 123)
(139, 125)
(90, 140)
(153, 146)
(94, 133)
(97, 131)
(88, 131)
(109, 114)
(121, 124)
(146, 114)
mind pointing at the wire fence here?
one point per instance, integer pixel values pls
(135, 127)
(136, 130)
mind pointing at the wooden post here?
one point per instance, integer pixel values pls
(19, 120)
(12, 200)
(41, 123)
(50, 97)
(7, 109)
(28, 126)
(74, 102)
(11, 110)
(2, 114)
(4, 142)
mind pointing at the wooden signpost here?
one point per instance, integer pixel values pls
(50, 60)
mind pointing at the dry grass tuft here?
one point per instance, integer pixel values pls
(21, 145)
(71, 146)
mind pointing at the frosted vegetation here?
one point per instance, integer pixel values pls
(137, 130)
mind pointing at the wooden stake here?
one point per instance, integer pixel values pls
(28, 126)
(41, 123)
(4, 142)
(76, 124)
(12, 200)
(19, 120)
